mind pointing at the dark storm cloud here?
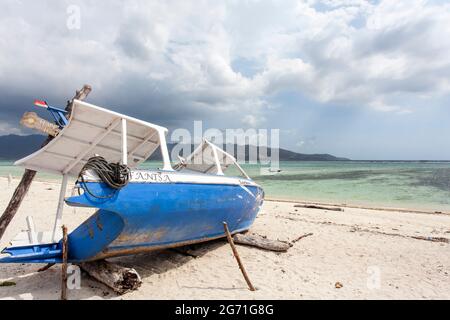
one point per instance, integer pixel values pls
(174, 63)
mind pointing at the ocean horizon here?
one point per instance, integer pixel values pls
(419, 185)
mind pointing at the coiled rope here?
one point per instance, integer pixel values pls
(115, 175)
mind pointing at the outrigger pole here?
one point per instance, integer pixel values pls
(29, 175)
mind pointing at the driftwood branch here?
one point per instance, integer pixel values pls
(261, 242)
(432, 239)
(238, 259)
(311, 206)
(118, 278)
(301, 237)
(258, 241)
(46, 267)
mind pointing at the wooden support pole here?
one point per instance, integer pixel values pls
(65, 251)
(238, 259)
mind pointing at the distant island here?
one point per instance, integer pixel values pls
(13, 147)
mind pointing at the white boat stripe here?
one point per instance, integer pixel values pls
(159, 176)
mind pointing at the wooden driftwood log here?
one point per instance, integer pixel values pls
(432, 239)
(255, 240)
(310, 206)
(301, 237)
(118, 278)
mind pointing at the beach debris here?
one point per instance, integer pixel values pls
(338, 285)
(118, 278)
(432, 239)
(356, 228)
(311, 206)
(7, 284)
(65, 252)
(261, 242)
(302, 237)
(186, 252)
(238, 259)
(46, 267)
(286, 218)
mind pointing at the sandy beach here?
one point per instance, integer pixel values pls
(372, 254)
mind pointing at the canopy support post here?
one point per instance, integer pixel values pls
(59, 211)
(241, 170)
(164, 151)
(124, 143)
(216, 158)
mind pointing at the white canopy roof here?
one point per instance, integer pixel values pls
(208, 158)
(93, 130)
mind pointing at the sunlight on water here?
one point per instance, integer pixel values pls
(415, 185)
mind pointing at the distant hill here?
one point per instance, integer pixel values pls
(13, 147)
(285, 155)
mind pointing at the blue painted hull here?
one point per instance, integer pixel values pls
(149, 216)
(146, 216)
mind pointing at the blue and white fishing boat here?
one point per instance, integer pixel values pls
(151, 210)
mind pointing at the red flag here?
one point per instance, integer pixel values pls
(40, 103)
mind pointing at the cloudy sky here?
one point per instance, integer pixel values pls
(359, 79)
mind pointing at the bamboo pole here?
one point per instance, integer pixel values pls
(65, 251)
(238, 259)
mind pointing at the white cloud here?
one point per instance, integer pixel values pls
(173, 58)
(6, 129)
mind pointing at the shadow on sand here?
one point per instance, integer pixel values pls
(46, 285)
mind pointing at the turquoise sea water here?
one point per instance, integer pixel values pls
(415, 185)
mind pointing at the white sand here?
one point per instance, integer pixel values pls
(370, 252)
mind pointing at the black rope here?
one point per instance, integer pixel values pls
(115, 175)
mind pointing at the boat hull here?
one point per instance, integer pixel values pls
(148, 216)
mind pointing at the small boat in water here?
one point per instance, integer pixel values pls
(152, 209)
